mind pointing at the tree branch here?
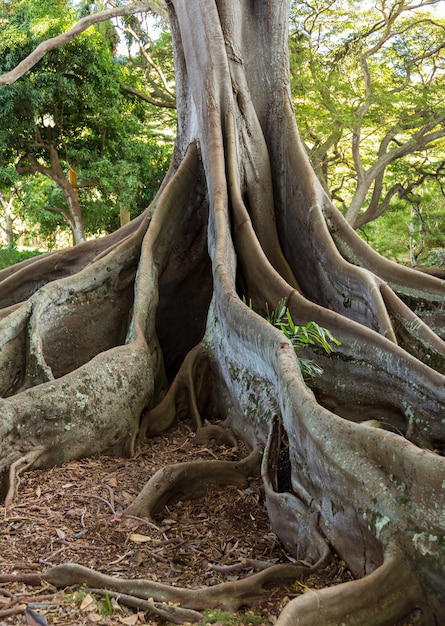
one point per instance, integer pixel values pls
(149, 60)
(60, 40)
(418, 141)
(158, 103)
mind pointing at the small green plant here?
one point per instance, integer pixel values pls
(299, 336)
(107, 608)
(230, 619)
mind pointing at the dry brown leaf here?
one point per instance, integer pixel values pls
(137, 538)
(115, 604)
(88, 604)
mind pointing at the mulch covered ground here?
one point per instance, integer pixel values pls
(66, 514)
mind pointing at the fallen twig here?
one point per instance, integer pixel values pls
(17, 610)
(28, 579)
(239, 567)
(110, 505)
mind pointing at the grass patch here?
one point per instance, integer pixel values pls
(213, 616)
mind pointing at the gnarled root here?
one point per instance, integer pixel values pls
(382, 598)
(16, 468)
(215, 433)
(229, 596)
(188, 385)
(191, 480)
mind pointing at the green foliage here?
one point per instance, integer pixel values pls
(310, 334)
(369, 76)
(107, 608)
(417, 219)
(436, 258)
(33, 221)
(10, 256)
(74, 102)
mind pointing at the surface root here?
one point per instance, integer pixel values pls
(16, 468)
(186, 388)
(229, 596)
(291, 519)
(382, 598)
(173, 614)
(190, 480)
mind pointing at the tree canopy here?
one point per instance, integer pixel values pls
(368, 90)
(70, 121)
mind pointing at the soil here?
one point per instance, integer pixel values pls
(71, 514)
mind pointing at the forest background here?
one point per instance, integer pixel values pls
(87, 135)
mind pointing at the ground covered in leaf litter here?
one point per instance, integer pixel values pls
(67, 514)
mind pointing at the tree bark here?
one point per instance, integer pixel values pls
(8, 219)
(158, 329)
(55, 172)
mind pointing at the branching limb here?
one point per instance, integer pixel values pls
(60, 40)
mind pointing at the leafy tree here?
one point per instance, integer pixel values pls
(155, 329)
(411, 227)
(153, 63)
(68, 120)
(35, 224)
(368, 89)
(7, 217)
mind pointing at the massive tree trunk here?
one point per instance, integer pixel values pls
(118, 338)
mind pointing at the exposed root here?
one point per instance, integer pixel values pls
(244, 564)
(28, 579)
(19, 281)
(382, 598)
(190, 480)
(423, 293)
(191, 381)
(229, 596)
(16, 468)
(291, 520)
(174, 614)
(413, 334)
(259, 197)
(215, 433)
